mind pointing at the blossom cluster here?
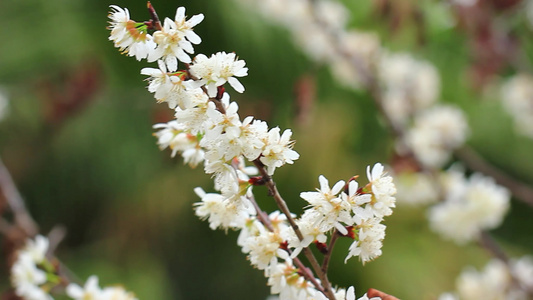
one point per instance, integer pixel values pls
(353, 211)
(208, 129)
(34, 276)
(470, 206)
(498, 280)
(461, 208)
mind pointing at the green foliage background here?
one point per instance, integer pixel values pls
(128, 207)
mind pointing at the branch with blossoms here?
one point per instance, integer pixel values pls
(209, 130)
(427, 134)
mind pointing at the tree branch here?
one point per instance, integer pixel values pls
(16, 203)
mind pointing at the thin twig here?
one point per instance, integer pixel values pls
(487, 242)
(327, 257)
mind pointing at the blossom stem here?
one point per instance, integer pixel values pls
(273, 191)
(156, 23)
(261, 215)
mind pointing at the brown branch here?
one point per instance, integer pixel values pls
(474, 161)
(273, 191)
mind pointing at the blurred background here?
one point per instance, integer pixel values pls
(76, 136)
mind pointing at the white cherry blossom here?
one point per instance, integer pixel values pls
(175, 40)
(127, 36)
(216, 70)
(278, 150)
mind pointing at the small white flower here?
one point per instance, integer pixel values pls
(24, 272)
(220, 212)
(193, 115)
(32, 292)
(309, 225)
(278, 150)
(218, 69)
(333, 210)
(174, 136)
(264, 248)
(167, 87)
(284, 279)
(127, 36)
(368, 243)
(382, 189)
(175, 40)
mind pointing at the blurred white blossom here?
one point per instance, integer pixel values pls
(517, 99)
(470, 206)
